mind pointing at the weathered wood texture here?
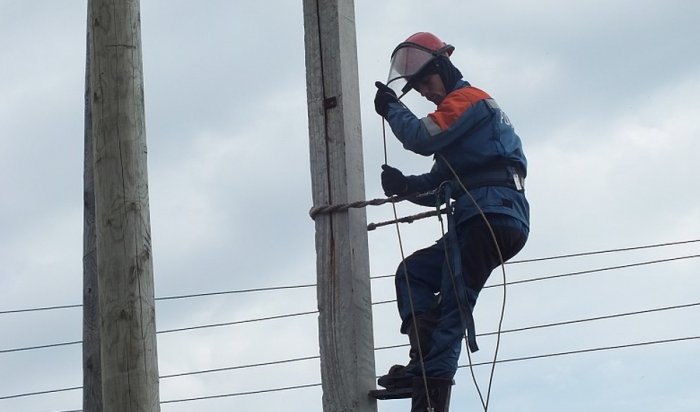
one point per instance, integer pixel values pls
(344, 298)
(122, 221)
(92, 379)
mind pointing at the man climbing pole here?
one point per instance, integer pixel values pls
(479, 170)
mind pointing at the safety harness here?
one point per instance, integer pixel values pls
(510, 176)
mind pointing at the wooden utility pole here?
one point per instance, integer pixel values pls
(337, 176)
(92, 373)
(122, 221)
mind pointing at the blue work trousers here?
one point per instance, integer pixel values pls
(433, 290)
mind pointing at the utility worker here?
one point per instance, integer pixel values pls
(470, 139)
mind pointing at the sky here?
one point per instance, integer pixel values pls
(603, 95)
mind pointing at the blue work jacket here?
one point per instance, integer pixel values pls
(471, 132)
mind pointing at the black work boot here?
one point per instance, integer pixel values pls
(419, 333)
(438, 397)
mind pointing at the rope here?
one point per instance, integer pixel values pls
(407, 219)
(503, 271)
(342, 207)
(421, 358)
(462, 314)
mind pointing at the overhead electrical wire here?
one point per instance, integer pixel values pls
(585, 272)
(598, 349)
(173, 297)
(382, 302)
(599, 252)
(310, 285)
(508, 360)
(515, 282)
(313, 357)
(569, 322)
(212, 325)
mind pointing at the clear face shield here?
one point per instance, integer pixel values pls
(407, 60)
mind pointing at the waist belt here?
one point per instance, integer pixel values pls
(505, 176)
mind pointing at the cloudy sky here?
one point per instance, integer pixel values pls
(604, 95)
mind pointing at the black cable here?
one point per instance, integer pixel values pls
(571, 322)
(305, 358)
(574, 352)
(174, 297)
(375, 303)
(523, 358)
(626, 249)
(213, 325)
(21, 395)
(580, 351)
(238, 322)
(175, 375)
(229, 368)
(229, 292)
(227, 395)
(563, 275)
(51, 345)
(584, 272)
(266, 289)
(39, 309)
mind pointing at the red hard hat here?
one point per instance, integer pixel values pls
(428, 41)
(413, 54)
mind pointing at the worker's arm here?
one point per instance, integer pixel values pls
(456, 115)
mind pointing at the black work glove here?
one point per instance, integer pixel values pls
(393, 181)
(384, 96)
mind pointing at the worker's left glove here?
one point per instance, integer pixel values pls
(385, 95)
(393, 181)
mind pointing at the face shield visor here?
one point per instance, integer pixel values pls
(407, 60)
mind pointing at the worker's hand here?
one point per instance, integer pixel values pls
(393, 181)
(384, 96)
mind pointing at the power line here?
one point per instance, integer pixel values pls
(230, 368)
(173, 297)
(584, 272)
(309, 285)
(313, 357)
(580, 351)
(519, 359)
(524, 358)
(39, 309)
(626, 249)
(51, 345)
(230, 292)
(537, 279)
(175, 375)
(238, 322)
(569, 274)
(212, 325)
(521, 329)
(22, 395)
(571, 322)
(228, 395)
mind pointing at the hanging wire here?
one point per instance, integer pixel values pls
(462, 314)
(503, 271)
(408, 286)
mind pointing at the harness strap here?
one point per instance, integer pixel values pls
(498, 175)
(460, 287)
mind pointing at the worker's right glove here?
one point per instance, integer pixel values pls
(385, 95)
(393, 181)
